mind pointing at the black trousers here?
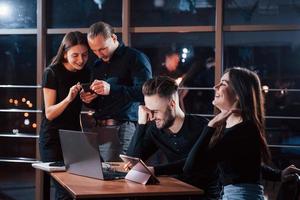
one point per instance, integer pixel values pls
(51, 152)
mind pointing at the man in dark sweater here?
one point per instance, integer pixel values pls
(162, 125)
(116, 89)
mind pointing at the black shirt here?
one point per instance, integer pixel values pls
(57, 77)
(126, 72)
(148, 139)
(237, 153)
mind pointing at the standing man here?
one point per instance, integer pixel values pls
(162, 125)
(118, 76)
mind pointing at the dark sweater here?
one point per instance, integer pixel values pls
(148, 139)
(126, 72)
(237, 153)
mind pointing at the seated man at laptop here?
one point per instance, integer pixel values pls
(162, 125)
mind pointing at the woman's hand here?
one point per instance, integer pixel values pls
(74, 90)
(219, 119)
(87, 97)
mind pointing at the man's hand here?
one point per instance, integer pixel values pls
(290, 173)
(145, 115)
(100, 87)
(87, 97)
(127, 166)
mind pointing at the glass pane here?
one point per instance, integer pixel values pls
(13, 123)
(53, 42)
(17, 147)
(172, 13)
(18, 14)
(18, 98)
(83, 13)
(274, 55)
(183, 56)
(261, 12)
(282, 102)
(18, 59)
(283, 131)
(197, 101)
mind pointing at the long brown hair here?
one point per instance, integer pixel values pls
(70, 39)
(247, 87)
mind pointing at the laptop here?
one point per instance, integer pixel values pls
(82, 155)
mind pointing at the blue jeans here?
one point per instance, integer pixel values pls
(118, 144)
(243, 191)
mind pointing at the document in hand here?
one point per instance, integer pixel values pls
(139, 172)
(46, 166)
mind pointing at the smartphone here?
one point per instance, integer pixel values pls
(86, 87)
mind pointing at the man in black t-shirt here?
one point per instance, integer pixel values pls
(162, 125)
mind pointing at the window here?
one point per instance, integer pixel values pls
(173, 13)
(18, 14)
(261, 12)
(193, 51)
(275, 57)
(83, 13)
(18, 59)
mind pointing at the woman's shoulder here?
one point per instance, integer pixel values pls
(52, 67)
(246, 126)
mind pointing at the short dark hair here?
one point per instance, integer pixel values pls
(163, 86)
(100, 28)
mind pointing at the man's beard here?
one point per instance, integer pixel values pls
(169, 121)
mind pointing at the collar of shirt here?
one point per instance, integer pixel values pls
(118, 52)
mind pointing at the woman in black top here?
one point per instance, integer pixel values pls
(62, 104)
(234, 139)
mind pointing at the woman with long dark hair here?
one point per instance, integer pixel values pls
(235, 138)
(62, 104)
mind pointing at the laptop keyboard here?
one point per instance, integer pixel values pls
(110, 175)
(57, 164)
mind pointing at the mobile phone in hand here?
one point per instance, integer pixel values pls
(86, 87)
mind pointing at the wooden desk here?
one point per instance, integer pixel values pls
(83, 187)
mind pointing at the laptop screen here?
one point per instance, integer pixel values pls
(81, 151)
